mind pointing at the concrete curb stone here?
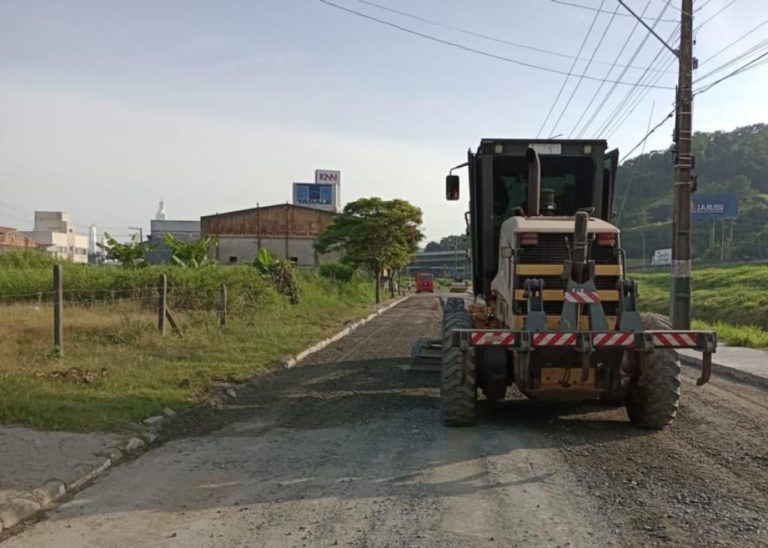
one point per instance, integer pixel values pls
(43, 497)
(726, 371)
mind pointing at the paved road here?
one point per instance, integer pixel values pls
(347, 450)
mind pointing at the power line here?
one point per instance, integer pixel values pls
(739, 39)
(481, 35)
(461, 46)
(718, 12)
(647, 135)
(622, 106)
(590, 8)
(570, 71)
(605, 79)
(760, 60)
(755, 49)
(623, 72)
(630, 104)
(584, 72)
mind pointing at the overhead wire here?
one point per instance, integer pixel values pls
(639, 83)
(570, 71)
(607, 96)
(458, 45)
(586, 68)
(628, 107)
(729, 46)
(481, 35)
(592, 8)
(608, 73)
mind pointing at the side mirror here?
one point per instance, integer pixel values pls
(452, 187)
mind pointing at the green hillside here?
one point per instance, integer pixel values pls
(735, 161)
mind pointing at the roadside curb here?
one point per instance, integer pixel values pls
(292, 361)
(727, 371)
(30, 503)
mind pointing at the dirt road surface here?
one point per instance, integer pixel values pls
(347, 450)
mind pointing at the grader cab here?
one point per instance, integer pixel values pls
(553, 312)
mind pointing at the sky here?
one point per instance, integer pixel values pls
(107, 107)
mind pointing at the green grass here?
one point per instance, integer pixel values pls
(731, 299)
(117, 370)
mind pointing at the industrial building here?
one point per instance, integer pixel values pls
(287, 231)
(55, 233)
(11, 239)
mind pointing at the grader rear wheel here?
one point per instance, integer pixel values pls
(654, 396)
(458, 383)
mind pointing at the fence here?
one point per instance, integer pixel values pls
(160, 301)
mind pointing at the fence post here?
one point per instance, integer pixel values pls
(58, 304)
(223, 305)
(162, 289)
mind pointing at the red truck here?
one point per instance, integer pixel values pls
(425, 281)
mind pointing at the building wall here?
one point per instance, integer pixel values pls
(68, 246)
(244, 249)
(186, 231)
(286, 231)
(11, 239)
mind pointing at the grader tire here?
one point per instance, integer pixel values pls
(653, 405)
(458, 384)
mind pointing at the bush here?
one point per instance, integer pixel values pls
(25, 258)
(337, 271)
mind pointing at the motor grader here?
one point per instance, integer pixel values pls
(553, 311)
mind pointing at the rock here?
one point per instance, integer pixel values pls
(231, 393)
(154, 421)
(116, 456)
(134, 444)
(151, 437)
(169, 413)
(16, 510)
(49, 492)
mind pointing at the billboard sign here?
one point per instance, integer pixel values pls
(715, 206)
(313, 194)
(327, 176)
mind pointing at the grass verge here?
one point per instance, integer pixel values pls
(732, 300)
(116, 369)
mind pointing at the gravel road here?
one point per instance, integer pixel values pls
(347, 450)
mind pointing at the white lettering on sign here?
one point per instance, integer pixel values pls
(709, 208)
(327, 176)
(547, 148)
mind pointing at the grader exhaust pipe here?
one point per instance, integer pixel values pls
(534, 182)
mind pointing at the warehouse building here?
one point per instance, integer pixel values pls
(287, 231)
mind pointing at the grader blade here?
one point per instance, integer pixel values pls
(426, 355)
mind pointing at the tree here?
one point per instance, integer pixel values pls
(375, 234)
(130, 255)
(193, 254)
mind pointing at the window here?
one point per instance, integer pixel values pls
(233, 259)
(569, 177)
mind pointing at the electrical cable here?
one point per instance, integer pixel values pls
(584, 72)
(607, 74)
(623, 72)
(570, 71)
(739, 39)
(590, 8)
(460, 46)
(481, 35)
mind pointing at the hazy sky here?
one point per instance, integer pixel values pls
(107, 107)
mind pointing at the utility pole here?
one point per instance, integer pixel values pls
(140, 231)
(680, 305)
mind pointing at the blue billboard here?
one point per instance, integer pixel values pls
(715, 206)
(313, 194)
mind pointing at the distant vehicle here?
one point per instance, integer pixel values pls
(458, 286)
(662, 257)
(425, 281)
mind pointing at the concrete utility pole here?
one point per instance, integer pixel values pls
(680, 305)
